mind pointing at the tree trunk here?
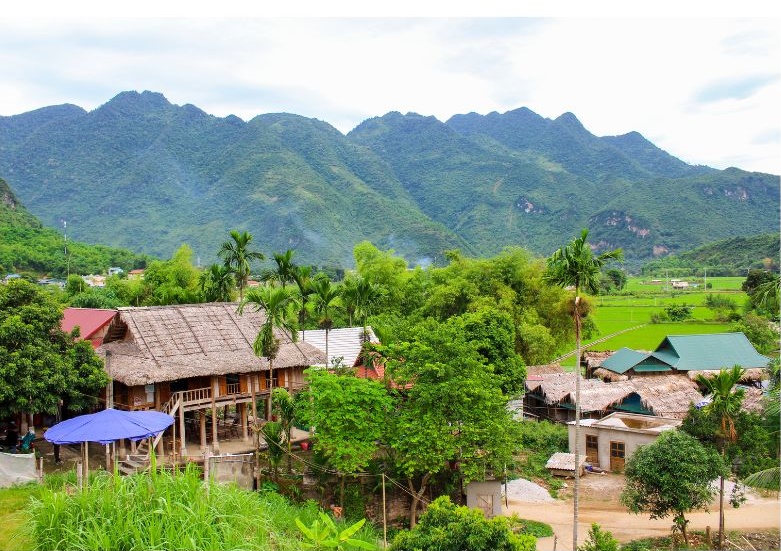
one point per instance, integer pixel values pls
(417, 495)
(576, 490)
(721, 511)
(341, 491)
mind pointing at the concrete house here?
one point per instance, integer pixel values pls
(610, 441)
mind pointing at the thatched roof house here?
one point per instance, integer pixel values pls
(167, 343)
(553, 396)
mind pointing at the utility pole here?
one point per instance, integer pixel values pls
(65, 242)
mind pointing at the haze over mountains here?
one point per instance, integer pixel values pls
(141, 173)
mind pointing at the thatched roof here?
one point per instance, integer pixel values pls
(546, 369)
(594, 358)
(749, 375)
(752, 400)
(664, 395)
(166, 343)
(609, 376)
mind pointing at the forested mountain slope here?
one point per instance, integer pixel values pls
(142, 173)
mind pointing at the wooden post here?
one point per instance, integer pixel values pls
(202, 423)
(243, 421)
(384, 516)
(182, 434)
(215, 390)
(108, 457)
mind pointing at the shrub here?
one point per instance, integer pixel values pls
(448, 527)
(599, 540)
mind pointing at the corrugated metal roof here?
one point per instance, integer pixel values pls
(623, 360)
(343, 343)
(88, 320)
(716, 351)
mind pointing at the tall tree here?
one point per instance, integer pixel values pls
(41, 364)
(236, 255)
(217, 283)
(453, 411)
(285, 269)
(725, 405)
(671, 476)
(282, 404)
(575, 265)
(275, 303)
(350, 415)
(325, 297)
(302, 275)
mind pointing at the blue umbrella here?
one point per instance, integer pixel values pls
(108, 426)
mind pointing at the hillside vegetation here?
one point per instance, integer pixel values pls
(142, 173)
(727, 257)
(27, 246)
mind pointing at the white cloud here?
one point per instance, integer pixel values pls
(704, 89)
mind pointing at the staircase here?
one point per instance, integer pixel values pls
(139, 461)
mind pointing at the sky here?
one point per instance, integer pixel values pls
(706, 89)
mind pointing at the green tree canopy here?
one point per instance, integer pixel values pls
(671, 477)
(41, 364)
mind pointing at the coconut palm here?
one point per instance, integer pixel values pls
(237, 258)
(217, 283)
(725, 406)
(275, 303)
(325, 296)
(575, 266)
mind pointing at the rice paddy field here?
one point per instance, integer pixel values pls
(632, 311)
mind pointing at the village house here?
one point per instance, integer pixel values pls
(610, 441)
(195, 361)
(688, 355)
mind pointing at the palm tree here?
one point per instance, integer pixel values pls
(285, 270)
(302, 275)
(325, 296)
(725, 406)
(275, 302)
(237, 258)
(217, 283)
(575, 265)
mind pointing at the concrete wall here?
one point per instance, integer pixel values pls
(486, 496)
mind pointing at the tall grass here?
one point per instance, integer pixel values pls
(167, 511)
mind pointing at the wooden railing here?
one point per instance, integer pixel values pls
(196, 395)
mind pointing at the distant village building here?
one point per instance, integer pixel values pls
(136, 274)
(115, 270)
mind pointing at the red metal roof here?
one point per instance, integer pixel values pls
(89, 320)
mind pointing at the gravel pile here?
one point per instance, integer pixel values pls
(521, 489)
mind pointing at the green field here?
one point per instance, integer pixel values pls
(614, 313)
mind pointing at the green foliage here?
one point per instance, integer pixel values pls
(599, 540)
(753, 448)
(238, 258)
(27, 246)
(41, 363)
(274, 436)
(447, 527)
(350, 416)
(452, 388)
(725, 257)
(323, 534)
(530, 527)
(678, 312)
(173, 281)
(168, 511)
(671, 476)
(759, 332)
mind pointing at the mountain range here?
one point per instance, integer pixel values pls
(144, 174)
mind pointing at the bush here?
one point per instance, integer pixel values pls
(530, 527)
(599, 540)
(448, 527)
(679, 312)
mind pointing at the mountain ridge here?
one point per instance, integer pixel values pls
(145, 174)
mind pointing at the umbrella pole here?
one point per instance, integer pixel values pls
(86, 464)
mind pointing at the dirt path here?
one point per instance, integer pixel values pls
(599, 504)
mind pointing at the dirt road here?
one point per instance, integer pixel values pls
(599, 504)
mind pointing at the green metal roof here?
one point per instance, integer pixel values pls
(716, 351)
(690, 353)
(623, 360)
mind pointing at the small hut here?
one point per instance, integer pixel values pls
(563, 464)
